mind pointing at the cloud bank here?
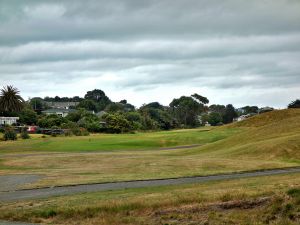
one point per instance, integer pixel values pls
(240, 52)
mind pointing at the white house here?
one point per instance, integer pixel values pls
(8, 120)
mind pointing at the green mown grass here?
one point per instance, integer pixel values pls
(113, 142)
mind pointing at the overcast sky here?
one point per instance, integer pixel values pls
(232, 51)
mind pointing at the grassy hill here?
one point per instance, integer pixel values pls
(272, 135)
(266, 141)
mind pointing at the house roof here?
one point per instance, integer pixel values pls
(58, 105)
(58, 111)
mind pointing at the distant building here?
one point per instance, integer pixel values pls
(265, 109)
(61, 105)
(243, 117)
(8, 120)
(101, 113)
(207, 124)
(59, 112)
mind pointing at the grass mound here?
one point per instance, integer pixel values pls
(271, 136)
(277, 116)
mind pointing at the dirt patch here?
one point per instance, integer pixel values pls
(198, 208)
(243, 204)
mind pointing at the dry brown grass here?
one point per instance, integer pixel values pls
(242, 201)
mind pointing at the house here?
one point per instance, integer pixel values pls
(62, 105)
(8, 120)
(59, 112)
(265, 109)
(101, 113)
(243, 117)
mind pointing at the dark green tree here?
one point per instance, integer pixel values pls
(217, 108)
(229, 114)
(188, 109)
(28, 116)
(116, 123)
(214, 118)
(10, 100)
(294, 104)
(99, 97)
(38, 104)
(88, 104)
(250, 109)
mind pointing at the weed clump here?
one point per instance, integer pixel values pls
(24, 134)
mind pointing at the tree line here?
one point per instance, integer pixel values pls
(96, 112)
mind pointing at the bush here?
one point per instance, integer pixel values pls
(80, 131)
(295, 104)
(24, 134)
(68, 133)
(10, 134)
(116, 123)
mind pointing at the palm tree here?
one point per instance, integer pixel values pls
(10, 100)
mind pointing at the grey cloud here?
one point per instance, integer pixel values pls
(106, 20)
(144, 45)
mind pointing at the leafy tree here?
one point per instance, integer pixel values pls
(294, 104)
(159, 114)
(214, 118)
(217, 108)
(28, 116)
(250, 109)
(88, 104)
(99, 97)
(87, 119)
(153, 105)
(229, 114)
(38, 104)
(10, 100)
(187, 109)
(135, 119)
(115, 107)
(51, 120)
(201, 99)
(116, 123)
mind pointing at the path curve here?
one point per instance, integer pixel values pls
(85, 188)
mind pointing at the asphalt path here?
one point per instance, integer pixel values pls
(13, 223)
(26, 194)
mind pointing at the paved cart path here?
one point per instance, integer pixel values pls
(10, 196)
(13, 223)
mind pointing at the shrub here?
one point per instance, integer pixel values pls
(84, 132)
(10, 134)
(68, 133)
(24, 134)
(116, 123)
(295, 104)
(294, 192)
(80, 131)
